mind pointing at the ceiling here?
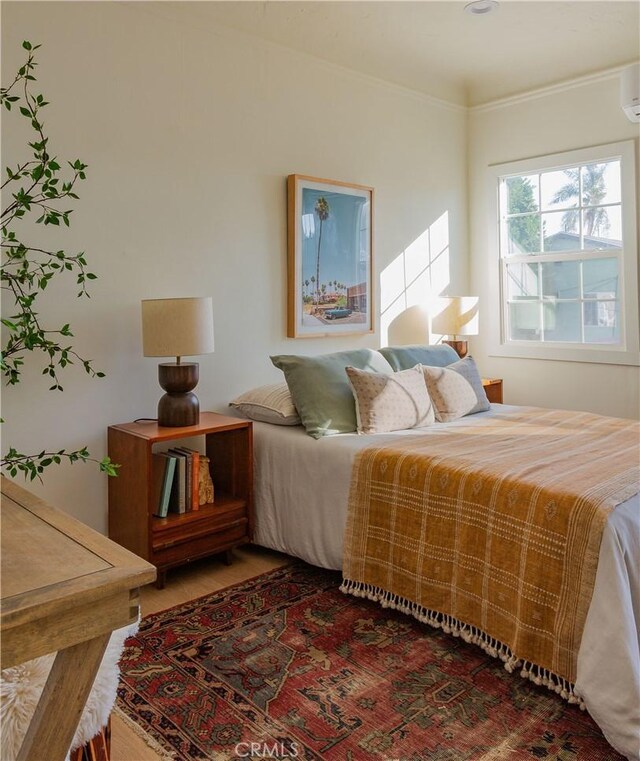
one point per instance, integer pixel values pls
(437, 49)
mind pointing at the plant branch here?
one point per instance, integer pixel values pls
(32, 466)
(27, 270)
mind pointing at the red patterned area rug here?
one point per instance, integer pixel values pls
(286, 666)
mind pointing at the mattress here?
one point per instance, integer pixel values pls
(301, 493)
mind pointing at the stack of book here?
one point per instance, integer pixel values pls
(176, 475)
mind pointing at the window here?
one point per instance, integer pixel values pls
(566, 250)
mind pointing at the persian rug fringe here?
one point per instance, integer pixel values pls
(155, 746)
(468, 633)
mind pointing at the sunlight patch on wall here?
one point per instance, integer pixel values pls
(412, 282)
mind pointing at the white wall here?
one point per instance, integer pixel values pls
(189, 134)
(578, 117)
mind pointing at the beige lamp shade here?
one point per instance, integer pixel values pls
(177, 327)
(458, 316)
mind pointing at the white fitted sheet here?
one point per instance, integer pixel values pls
(301, 493)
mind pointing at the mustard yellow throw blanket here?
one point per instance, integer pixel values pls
(492, 529)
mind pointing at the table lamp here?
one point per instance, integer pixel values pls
(458, 317)
(177, 328)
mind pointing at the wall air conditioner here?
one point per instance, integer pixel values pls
(630, 92)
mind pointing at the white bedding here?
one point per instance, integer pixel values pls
(301, 492)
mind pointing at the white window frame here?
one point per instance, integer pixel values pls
(627, 352)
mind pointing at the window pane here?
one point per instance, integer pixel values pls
(602, 227)
(522, 281)
(524, 234)
(524, 321)
(561, 280)
(561, 230)
(522, 194)
(562, 321)
(600, 279)
(601, 322)
(561, 251)
(601, 183)
(560, 189)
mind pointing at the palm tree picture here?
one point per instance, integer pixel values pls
(329, 244)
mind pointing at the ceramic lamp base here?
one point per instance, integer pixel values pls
(460, 347)
(179, 407)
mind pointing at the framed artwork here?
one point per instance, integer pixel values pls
(330, 257)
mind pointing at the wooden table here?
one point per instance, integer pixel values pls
(64, 588)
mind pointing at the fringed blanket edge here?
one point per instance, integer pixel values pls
(469, 633)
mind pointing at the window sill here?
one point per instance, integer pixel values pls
(568, 354)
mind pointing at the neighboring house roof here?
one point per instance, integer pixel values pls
(566, 241)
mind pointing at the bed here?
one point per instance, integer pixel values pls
(514, 528)
(301, 498)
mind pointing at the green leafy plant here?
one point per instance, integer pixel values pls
(524, 231)
(37, 186)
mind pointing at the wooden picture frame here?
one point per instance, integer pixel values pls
(330, 258)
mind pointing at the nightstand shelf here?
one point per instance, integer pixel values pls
(179, 538)
(218, 509)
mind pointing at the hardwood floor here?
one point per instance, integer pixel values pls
(187, 583)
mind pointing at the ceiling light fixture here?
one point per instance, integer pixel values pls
(481, 7)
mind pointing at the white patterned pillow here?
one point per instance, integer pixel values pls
(390, 402)
(268, 404)
(468, 369)
(452, 395)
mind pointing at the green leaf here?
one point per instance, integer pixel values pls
(108, 467)
(27, 45)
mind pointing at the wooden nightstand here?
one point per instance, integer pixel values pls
(180, 538)
(493, 388)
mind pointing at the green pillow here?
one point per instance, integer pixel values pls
(406, 357)
(320, 388)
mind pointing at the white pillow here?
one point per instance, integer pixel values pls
(468, 369)
(268, 404)
(452, 395)
(390, 402)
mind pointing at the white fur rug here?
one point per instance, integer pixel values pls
(21, 686)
